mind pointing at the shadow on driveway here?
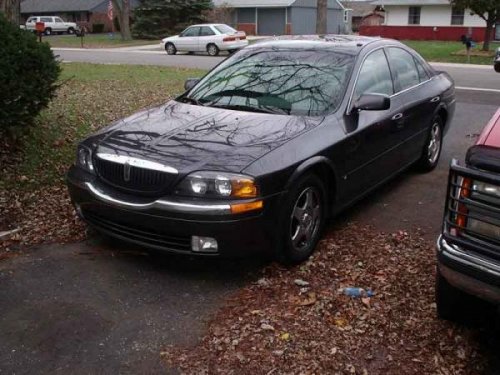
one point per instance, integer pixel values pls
(93, 307)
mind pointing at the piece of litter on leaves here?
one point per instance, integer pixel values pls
(300, 282)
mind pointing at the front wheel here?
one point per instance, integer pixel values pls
(212, 50)
(71, 31)
(303, 218)
(170, 48)
(433, 146)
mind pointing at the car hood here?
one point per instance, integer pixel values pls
(173, 37)
(189, 137)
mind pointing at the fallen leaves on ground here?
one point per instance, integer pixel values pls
(33, 195)
(298, 321)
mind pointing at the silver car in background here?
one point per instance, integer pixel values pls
(211, 38)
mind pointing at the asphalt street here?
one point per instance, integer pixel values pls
(105, 307)
(472, 77)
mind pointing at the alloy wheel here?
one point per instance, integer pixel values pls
(434, 147)
(305, 219)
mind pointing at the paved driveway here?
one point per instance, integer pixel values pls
(90, 308)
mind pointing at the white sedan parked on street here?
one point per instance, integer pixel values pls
(210, 38)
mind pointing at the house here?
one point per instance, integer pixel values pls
(278, 17)
(364, 13)
(426, 20)
(86, 13)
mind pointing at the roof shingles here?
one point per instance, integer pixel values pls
(47, 6)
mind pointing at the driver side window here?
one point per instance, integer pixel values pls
(192, 31)
(374, 76)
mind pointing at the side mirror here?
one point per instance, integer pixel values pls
(190, 83)
(373, 102)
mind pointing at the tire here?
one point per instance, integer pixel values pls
(48, 31)
(231, 51)
(497, 67)
(450, 301)
(431, 152)
(71, 31)
(170, 48)
(303, 219)
(212, 50)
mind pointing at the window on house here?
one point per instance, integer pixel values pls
(414, 15)
(346, 16)
(457, 16)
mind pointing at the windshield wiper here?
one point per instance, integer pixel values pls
(247, 108)
(187, 99)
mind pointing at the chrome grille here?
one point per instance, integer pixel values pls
(134, 179)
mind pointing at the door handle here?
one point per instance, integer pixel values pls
(435, 99)
(398, 116)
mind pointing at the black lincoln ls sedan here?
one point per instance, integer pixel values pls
(261, 150)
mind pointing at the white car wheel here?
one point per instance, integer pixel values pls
(212, 50)
(170, 48)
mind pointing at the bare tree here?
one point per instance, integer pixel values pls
(321, 14)
(122, 10)
(11, 10)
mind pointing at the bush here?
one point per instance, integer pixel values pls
(98, 28)
(28, 75)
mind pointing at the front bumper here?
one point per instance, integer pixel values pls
(469, 272)
(168, 224)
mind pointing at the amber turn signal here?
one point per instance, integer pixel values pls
(245, 207)
(243, 188)
(462, 209)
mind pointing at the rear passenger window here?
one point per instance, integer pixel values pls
(422, 73)
(206, 31)
(46, 19)
(374, 76)
(404, 68)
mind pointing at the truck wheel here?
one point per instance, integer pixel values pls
(71, 30)
(303, 219)
(212, 50)
(48, 31)
(433, 146)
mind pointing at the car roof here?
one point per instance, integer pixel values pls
(347, 43)
(209, 24)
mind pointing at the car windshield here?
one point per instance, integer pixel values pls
(291, 82)
(225, 29)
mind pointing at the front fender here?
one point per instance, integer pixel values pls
(308, 164)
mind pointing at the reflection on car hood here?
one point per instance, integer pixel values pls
(189, 137)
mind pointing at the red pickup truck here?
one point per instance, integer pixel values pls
(468, 249)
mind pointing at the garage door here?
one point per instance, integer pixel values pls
(271, 21)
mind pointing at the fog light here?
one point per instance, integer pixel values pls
(203, 244)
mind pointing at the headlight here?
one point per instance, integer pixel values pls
(218, 184)
(84, 158)
(484, 191)
(484, 228)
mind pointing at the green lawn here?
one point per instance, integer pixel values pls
(90, 97)
(440, 51)
(94, 41)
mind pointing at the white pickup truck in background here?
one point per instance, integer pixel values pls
(53, 25)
